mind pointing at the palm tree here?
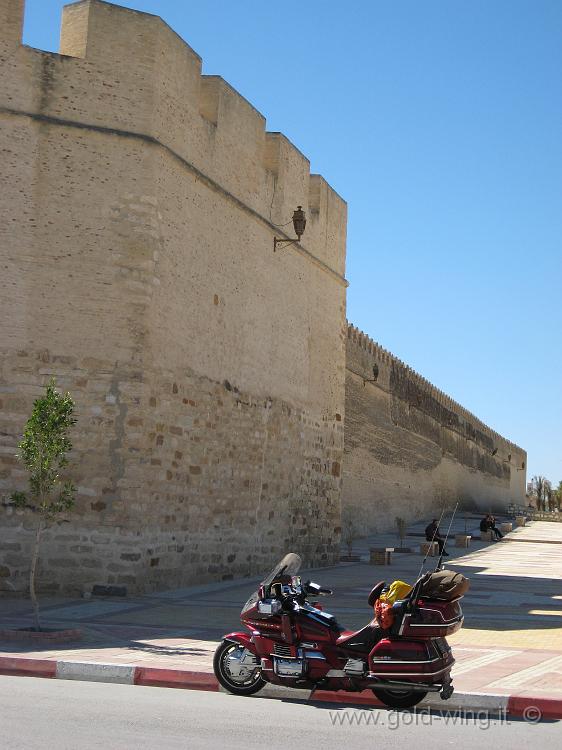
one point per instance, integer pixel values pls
(542, 489)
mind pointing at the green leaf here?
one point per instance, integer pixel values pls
(19, 499)
(43, 450)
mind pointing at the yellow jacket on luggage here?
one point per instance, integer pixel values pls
(396, 590)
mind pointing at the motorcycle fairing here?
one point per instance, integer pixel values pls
(244, 639)
(288, 566)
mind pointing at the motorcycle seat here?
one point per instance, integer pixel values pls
(361, 640)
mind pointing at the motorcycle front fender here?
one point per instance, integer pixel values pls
(244, 639)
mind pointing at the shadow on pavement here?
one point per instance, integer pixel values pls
(526, 599)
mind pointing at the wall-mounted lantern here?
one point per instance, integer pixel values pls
(299, 224)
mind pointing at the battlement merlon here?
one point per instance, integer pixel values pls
(128, 74)
(386, 359)
(11, 26)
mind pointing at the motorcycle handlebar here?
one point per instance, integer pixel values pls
(314, 588)
(298, 593)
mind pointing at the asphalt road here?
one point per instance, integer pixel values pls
(68, 715)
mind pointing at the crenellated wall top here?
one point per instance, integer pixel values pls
(386, 358)
(126, 73)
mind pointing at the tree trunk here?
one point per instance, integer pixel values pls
(32, 572)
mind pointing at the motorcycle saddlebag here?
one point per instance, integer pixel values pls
(445, 585)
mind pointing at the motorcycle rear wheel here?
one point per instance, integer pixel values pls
(399, 698)
(236, 685)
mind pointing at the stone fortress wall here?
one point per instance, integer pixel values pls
(410, 450)
(139, 204)
(139, 201)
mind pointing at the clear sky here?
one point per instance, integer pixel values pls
(440, 122)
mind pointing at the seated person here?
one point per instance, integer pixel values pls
(484, 524)
(432, 534)
(492, 526)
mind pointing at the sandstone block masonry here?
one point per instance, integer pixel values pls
(139, 200)
(212, 378)
(410, 449)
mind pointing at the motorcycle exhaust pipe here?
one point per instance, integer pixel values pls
(395, 685)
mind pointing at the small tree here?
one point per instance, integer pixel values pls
(548, 496)
(349, 535)
(43, 452)
(557, 496)
(401, 528)
(541, 487)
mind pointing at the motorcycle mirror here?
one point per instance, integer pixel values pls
(314, 588)
(276, 590)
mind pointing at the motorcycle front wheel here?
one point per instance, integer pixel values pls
(399, 698)
(237, 679)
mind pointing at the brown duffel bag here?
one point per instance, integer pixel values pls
(445, 585)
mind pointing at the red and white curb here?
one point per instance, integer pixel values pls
(530, 708)
(123, 674)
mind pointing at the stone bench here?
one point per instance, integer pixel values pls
(462, 540)
(505, 528)
(520, 520)
(380, 555)
(431, 549)
(486, 536)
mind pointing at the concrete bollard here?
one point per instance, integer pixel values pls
(462, 540)
(431, 549)
(381, 555)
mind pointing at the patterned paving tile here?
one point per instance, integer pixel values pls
(512, 634)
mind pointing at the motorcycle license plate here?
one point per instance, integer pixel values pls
(289, 667)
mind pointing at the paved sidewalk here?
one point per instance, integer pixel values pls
(511, 643)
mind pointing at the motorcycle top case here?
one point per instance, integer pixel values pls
(445, 585)
(432, 619)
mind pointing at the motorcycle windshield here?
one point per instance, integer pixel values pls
(288, 566)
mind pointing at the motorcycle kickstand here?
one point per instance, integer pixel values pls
(320, 684)
(447, 691)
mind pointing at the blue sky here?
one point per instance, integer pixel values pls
(440, 123)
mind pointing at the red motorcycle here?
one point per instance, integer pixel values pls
(293, 642)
